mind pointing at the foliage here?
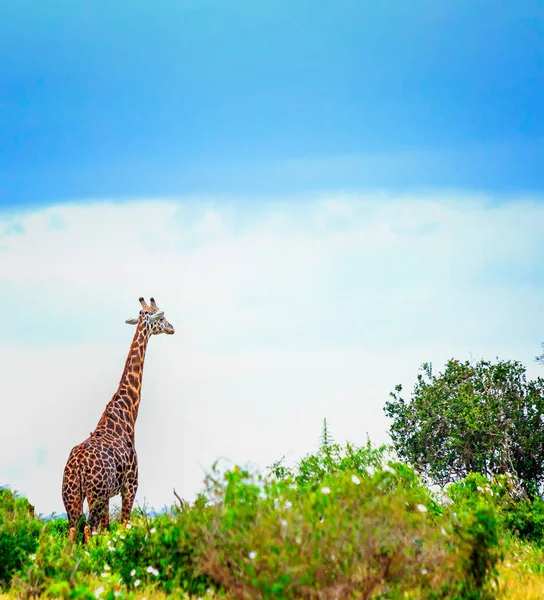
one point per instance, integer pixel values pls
(521, 517)
(331, 458)
(473, 418)
(501, 491)
(356, 535)
(526, 520)
(19, 532)
(160, 553)
(478, 535)
(346, 521)
(521, 575)
(339, 531)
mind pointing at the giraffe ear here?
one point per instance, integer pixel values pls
(132, 321)
(156, 316)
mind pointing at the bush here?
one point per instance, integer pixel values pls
(526, 520)
(521, 516)
(331, 458)
(156, 553)
(345, 522)
(19, 532)
(357, 535)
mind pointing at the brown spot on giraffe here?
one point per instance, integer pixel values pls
(105, 464)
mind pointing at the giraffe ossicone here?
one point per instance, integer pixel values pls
(106, 464)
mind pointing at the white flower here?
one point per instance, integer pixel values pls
(283, 523)
(325, 490)
(99, 591)
(107, 568)
(133, 572)
(104, 574)
(355, 479)
(152, 570)
(253, 555)
(152, 530)
(288, 504)
(443, 531)
(424, 571)
(128, 526)
(389, 469)
(137, 583)
(122, 537)
(370, 470)
(298, 540)
(422, 508)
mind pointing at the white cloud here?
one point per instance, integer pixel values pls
(285, 313)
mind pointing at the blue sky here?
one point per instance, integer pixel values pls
(320, 195)
(268, 97)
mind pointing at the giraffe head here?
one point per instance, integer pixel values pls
(154, 318)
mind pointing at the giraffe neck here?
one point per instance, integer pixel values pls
(122, 410)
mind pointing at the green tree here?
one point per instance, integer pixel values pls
(472, 418)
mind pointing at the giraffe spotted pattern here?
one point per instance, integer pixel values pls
(105, 464)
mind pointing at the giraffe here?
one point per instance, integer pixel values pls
(105, 464)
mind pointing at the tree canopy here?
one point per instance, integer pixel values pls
(472, 418)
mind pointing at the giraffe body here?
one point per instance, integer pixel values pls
(106, 464)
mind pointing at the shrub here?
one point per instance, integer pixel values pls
(526, 520)
(19, 532)
(156, 553)
(356, 535)
(521, 516)
(331, 458)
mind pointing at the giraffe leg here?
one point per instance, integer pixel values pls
(127, 500)
(72, 534)
(105, 521)
(97, 506)
(86, 534)
(72, 498)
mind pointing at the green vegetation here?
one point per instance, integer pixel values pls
(472, 418)
(347, 521)
(19, 532)
(352, 527)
